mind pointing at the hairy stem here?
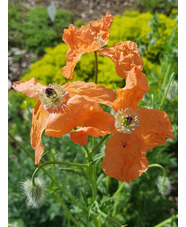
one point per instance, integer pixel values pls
(101, 141)
(51, 178)
(56, 163)
(166, 91)
(69, 215)
(21, 146)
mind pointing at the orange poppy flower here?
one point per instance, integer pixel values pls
(85, 40)
(135, 130)
(61, 108)
(93, 38)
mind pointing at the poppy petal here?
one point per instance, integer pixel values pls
(80, 39)
(101, 29)
(72, 57)
(92, 91)
(91, 38)
(125, 157)
(129, 96)
(99, 124)
(125, 55)
(154, 127)
(75, 113)
(30, 88)
(40, 117)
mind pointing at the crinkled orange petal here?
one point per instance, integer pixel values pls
(75, 113)
(80, 39)
(72, 57)
(99, 124)
(129, 96)
(30, 88)
(125, 157)
(39, 121)
(154, 126)
(101, 29)
(125, 55)
(86, 39)
(92, 91)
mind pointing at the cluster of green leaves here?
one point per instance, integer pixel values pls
(33, 30)
(154, 6)
(136, 204)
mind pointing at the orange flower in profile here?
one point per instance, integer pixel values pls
(93, 38)
(135, 130)
(85, 40)
(61, 108)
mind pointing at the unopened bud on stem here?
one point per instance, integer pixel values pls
(33, 193)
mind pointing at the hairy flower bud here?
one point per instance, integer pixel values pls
(33, 193)
(164, 185)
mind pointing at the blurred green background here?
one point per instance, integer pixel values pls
(36, 50)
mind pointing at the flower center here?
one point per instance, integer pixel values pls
(52, 96)
(49, 91)
(126, 121)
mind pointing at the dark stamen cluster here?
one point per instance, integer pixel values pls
(128, 118)
(49, 91)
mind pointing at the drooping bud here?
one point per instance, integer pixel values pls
(164, 185)
(126, 121)
(33, 193)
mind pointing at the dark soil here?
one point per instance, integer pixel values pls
(85, 10)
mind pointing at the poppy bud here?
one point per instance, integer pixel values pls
(164, 185)
(33, 193)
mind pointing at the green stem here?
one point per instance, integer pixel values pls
(91, 173)
(62, 189)
(159, 166)
(117, 201)
(168, 87)
(91, 169)
(96, 68)
(113, 220)
(56, 163)
(51, 178)
(101, 141)
(163, 223)
(166, 75)
(119, 189)
(30, 155)
(66, 209)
